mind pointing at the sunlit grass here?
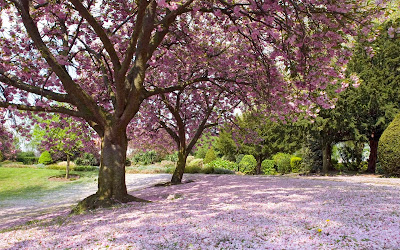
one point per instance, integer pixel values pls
(30, 182)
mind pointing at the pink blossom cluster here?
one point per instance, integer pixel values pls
(232, 212)
(81, 58)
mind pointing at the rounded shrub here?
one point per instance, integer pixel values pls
(295, 164)
(225, 164)
(389, 148)
(268, 167)
(282, 161)
(248, 164)
(195, 163)
(87, 159)
(210, 156)
(45, 158)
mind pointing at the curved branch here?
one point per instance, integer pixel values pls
(61, 110)
(17, 83)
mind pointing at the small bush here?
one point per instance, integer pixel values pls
(389, 149)
(146, 158)
(1, 156)
(85, 168)
(167, 164)
(172, 157)
(210, 156)
(223, 164)
(282, 161)
(27, 158)
(195, 162)
(45, 158)
(268, 167)
(223, 171)
(87, 159)
(295, 164)
(248, 164)
(207, 170)
(193, 169)
(189, 159)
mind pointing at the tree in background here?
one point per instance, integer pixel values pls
(7, 146)
(89, 59)
(66, 135)
(261, 136)
(375, 103)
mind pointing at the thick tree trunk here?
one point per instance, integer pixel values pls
(373, 155)
(180, 167)
(111, 184)
(326, 158)
(67, 168)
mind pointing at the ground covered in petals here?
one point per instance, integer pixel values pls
(232, 212)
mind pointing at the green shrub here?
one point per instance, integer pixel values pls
(389, 149)
(224, 164)
(207, 170)
(282, 161)
(268, 167)
(146, 158)
(85, 168)
(1, 156)
(210, 156)
(193, 169)
(27, 158)
(167, 164)
(87, 159)
(189, 159)
(45, 158)
(248, 164)
(295, 164)
(223, 171)
(172, 157)
(195, 162)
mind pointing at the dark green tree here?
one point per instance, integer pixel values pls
(374, 104)
(258, 135)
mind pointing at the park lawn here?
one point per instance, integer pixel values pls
(25, 182)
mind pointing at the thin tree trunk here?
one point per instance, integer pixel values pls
(258, 168)
(180, 167)
(326, 158)
(111, 184)
(373, 155)
(67, 169)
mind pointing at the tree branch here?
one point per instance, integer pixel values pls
(17, 83)
(99, 31)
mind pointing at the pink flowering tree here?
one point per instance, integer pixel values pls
(91, 59)
(7, 147)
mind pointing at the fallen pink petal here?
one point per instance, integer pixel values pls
(233, 212)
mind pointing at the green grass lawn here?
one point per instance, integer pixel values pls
(26, 182)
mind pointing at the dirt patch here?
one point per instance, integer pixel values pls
(62, 178)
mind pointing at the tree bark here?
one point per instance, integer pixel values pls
(258, 168)
(67, 168)
(180, 167)
(373, 155)
(326, 158)
(111, 184)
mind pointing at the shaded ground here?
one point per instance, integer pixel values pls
(234, 212)
(19, 211)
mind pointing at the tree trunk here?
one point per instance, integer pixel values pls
(111, 184)
(180, 167)
(258, 168)
(67, 169)
(373, 155)
(326, 158)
